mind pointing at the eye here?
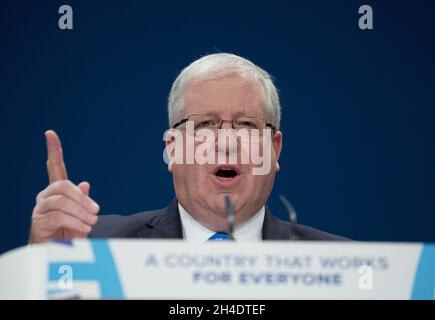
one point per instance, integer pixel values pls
(246, 124)
(205, 124)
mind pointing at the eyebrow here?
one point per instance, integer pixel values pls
(238, 114)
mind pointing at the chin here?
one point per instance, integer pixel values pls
(217, 199)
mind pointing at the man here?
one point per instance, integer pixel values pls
(216, 93)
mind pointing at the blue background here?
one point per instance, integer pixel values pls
(358, 106)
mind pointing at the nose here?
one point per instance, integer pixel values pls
(226, 141)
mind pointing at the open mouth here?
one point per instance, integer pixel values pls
(226, 173)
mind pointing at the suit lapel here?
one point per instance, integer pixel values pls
(274, 229)
(164, 226)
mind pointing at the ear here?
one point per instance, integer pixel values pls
(169, 156)
(277, 146)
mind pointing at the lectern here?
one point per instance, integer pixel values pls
(177, 269)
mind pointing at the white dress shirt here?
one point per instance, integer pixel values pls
(250, 230)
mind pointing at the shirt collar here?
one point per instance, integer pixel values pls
(194, 231)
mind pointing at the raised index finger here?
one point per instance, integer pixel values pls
(55, 165)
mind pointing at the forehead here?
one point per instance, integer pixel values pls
(225, 96)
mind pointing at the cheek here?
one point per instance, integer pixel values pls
(256, 184)
(250, 183)
(193, 174)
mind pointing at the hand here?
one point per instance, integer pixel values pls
(63, 210)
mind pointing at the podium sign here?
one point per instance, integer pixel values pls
(176, 269)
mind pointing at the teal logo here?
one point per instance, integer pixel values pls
(424, 283)
(102, 270)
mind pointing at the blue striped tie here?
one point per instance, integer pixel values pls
(220, 236)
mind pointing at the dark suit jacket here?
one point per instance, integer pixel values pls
(166, 224)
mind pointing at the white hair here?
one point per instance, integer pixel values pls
(218, 65)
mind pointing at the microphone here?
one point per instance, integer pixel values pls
(230, 217)
(292, 215)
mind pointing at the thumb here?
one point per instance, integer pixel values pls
(85, 186)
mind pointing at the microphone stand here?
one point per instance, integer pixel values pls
(292, 216)
(230, 217)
